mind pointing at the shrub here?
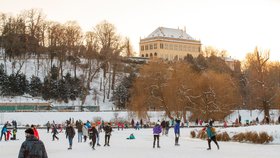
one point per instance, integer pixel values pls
(193, 134)
(264, 138)
(202, 134)
(239, 137)
(223, 137)
(251, 137)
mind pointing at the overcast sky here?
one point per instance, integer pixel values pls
(237, 26)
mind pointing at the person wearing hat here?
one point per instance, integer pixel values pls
(36, 133)
(211, 136)
(156, 131)
(93, 135)
(70, 133)
(32, 147)
(108, 130)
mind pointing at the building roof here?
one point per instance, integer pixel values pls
(170, 33)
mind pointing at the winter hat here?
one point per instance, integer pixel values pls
(29, 131)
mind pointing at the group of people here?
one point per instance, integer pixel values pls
(88, 130)
(159, 128)
(34, 147)
(209, 129)
(7, 133)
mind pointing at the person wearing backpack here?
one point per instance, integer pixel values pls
(211, 133)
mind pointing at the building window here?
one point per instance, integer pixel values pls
(180, 47)
(142, 48)
(175, 47)
(161, 46)
(184, 48)
(155, 46)
(151, 46)
(147, 55)
(151, 54)
(170, 46)
(165, 46)
(146, 47)
(155, 54)
(142, 55)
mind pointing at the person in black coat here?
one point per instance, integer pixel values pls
(108, 129)
(70, 133)
(93, 134)
(55, 132)
(32, 147)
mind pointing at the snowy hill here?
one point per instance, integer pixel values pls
(30, 67)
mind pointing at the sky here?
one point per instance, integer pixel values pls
(237, 26)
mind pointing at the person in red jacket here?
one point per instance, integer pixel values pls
(36, 134)
(8, 135)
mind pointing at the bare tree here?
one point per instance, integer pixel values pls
(262, 88)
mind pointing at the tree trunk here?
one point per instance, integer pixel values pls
(266, 108)
(114, 77)
(109, 86)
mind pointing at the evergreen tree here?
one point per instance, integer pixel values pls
(63, 91)
(23, 84)
(35, 86)
(3, 81)
(46, 89)
(122, 93)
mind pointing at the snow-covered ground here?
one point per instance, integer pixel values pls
(142, 146)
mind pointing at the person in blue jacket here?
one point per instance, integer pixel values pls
(3, 132)
(177, 131)
(211, 136)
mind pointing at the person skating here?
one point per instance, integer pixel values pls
(36, 133)
(108, 130)
(167, 127)
(85, 131)
(55, 132)
(93, 135)
(70, 133)
(14, 132)
(32, 147)
(79, 126)
(211, 134)
(156, 131)
(3, 132)
(177, 131)
(48, 126)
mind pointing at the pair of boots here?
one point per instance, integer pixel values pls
(155, 144)
(209, 146)
(177, 141)
(70, 147)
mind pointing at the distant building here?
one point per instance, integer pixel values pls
(233, 64)
(169, 44)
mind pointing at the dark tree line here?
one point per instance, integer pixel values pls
(52, 88)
